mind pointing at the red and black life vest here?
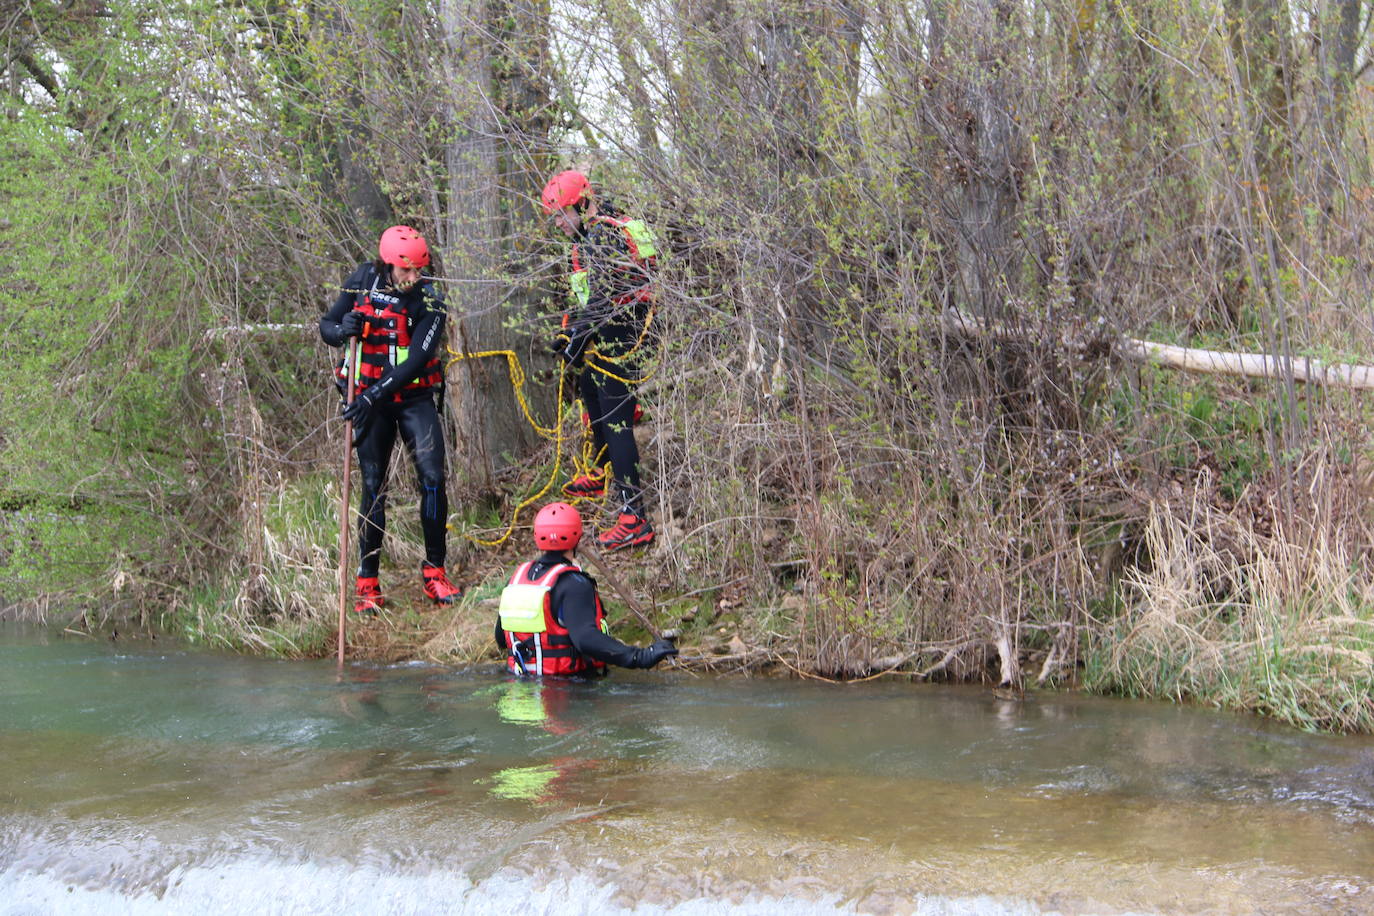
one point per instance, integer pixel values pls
(643, 248)
(386, 338)
(550, 652)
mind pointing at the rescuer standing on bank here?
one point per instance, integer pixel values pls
(398, 316)
(611, 275)
(551, 621)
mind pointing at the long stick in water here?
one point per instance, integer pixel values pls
(344, 521)
(621, 589)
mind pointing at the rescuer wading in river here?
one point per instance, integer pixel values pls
(551, 621)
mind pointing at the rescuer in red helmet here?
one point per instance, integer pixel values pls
(551, 621)
(398, 316)
(611, 280)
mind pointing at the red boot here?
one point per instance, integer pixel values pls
(437, 587)
(368, 598)
(587, 486)
(629, 531)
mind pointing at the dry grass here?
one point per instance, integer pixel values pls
(1281, 625)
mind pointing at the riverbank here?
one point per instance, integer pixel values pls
(1244, 594)
(412, 628)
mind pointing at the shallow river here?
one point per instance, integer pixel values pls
(147, 778)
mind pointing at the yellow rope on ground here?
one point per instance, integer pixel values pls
(518, 378)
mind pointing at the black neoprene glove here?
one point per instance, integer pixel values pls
(362, 404)
(571, 342)
(653, 654)
(352, 324)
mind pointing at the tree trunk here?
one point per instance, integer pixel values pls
(970, 109)
(367, 203)
(1336, 64)
(479, 389)
(626, 28)
(1259, 41)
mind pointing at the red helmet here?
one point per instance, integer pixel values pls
(564, 190)
(558, 526)
(402, 246)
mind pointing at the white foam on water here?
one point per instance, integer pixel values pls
(272, 888)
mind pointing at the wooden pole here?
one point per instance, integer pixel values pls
(345, 521)
(635, 607)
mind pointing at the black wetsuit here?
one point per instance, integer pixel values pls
(617, 330)
(573, 602)
(411, 412)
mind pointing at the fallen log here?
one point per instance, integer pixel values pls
(1188, 359)
(1248, 365)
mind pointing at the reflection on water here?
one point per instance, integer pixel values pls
(542, 705)
(139, 778)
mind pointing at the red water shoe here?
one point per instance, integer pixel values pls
(368, 596)
(629, 531)
(437, 587)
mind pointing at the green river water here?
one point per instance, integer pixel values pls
(143, 777)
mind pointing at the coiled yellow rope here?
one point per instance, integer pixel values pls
(584, 463)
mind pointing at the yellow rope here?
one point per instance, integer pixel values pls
(583, 463)
(594, 354)
(606, 372)
(517, 381)
(517, 377)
